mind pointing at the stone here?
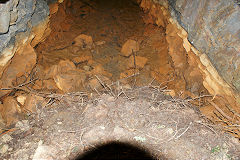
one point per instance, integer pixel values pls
(38, 85)
(87, 68)
(6, 138)
(31, 102)
(94, 84)
(64, 66)
(22, 125)
(139, 61)
(40, 32)
(98, 69)
(99, 43)
(81, 59)
(129, 47)
(128, 73)
(10, 110)
(21, 99)
(2, 123)
(44, 152)
(48, 84)
(4, 149)
(170, 93)
(50, 73)
(71, 81)
(176, 49)
(14, 17)
(21, 65)
(83, 41)
(66, 77)
(7, 54)
(4, 21)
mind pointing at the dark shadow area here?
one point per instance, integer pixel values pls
(116, 150)
(3, 1)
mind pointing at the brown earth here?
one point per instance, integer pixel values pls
(165, 127)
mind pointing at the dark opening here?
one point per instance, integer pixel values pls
(116, 150)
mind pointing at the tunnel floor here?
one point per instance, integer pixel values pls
(104, 75)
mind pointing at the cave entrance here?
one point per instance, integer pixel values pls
(114, 40)
(113, 71)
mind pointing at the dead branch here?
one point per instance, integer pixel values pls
(21, 85)
(196, 98)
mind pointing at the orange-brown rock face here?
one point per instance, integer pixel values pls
(129, 47)
(196, 68)
(10, 110)
(21, 66)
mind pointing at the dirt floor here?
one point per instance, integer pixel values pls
(105, 87)
(167, 128)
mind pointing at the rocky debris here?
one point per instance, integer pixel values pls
(10, 110)
(32, 101)
(83, 41)
(4, 148)
(67, 77)
(21, 99)
(6, 138)
(44, 152)
(72, 81)
(129, 47)
(23, 125)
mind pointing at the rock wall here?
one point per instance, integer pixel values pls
(214, 29)
(226, 97)
(17, 17)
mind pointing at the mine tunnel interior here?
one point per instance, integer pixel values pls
(94, 71)
(104, 27)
